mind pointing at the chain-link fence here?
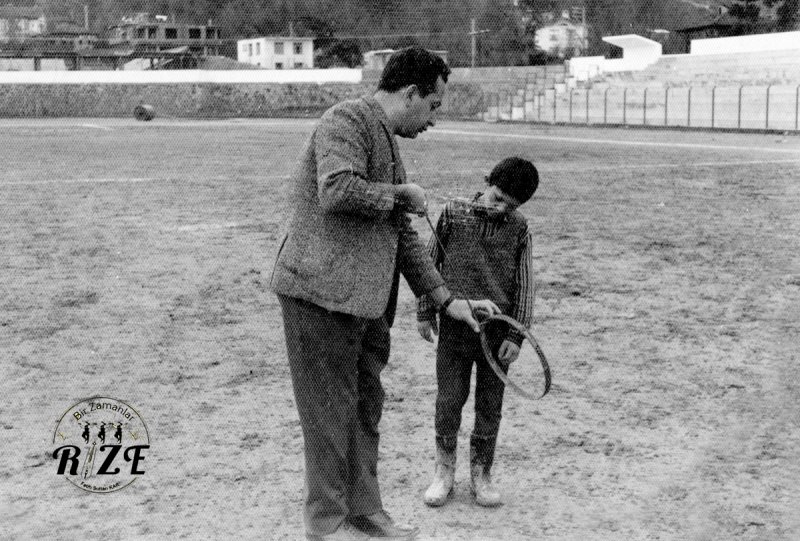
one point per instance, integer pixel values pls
(750, 107)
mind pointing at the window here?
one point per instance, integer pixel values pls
(298, 48)
(140, 33)
(278, 65)
(171, 33)
(278, 47)
(249, 49)
(211, 33)
(194, 33)
(298, 65)
(151, 33)
(258, 48)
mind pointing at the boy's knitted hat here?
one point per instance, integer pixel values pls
(516, 177)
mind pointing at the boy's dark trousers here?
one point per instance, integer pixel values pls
(335, 360)
(459, 348)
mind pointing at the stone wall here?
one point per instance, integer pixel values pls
(178, 100)
(204, 100)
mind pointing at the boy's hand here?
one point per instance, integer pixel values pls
(428, 329)
(508, 352)
(460, 309)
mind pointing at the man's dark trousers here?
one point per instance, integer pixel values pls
(335, 360)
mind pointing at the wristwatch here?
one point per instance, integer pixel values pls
(446, 303)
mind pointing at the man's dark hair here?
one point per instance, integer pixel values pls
(413, 66)
(516, 177)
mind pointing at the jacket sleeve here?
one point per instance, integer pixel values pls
(413, 260)
(523, 311)
(342, 147)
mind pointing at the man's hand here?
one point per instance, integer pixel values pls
(508, 352)
(412, 196)
(428, 329)
(460, 309)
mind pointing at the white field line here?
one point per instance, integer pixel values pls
(97, 127)
(119, 180)
(696, 146)
(578, 170)
(438, 172)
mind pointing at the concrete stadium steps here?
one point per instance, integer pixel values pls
(770, 67)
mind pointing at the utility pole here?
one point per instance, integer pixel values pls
(473, 32)
(86, 17)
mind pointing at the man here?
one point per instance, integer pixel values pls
(337, 276)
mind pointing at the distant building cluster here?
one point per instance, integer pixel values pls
(31, 41)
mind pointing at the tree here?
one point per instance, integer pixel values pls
(789, 15)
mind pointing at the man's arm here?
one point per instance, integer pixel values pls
(342, 148)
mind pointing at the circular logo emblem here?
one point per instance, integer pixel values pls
(100, 445)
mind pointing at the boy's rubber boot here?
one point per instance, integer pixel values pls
(443, 478)
(486, 495)
(481, 457)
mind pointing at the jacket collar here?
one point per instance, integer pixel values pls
(378, 112)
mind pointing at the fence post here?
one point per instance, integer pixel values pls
(571, 92)
(796, 106)
(605, 106)
(644, 109)
(525, 100)
(713, 95)
(625, 106)
(666, 106)
(689, 109)
(739, 109)
(555, 106)
(766, 121)
(587, 106)
(539, 101)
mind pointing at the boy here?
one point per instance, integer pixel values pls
(488, 255)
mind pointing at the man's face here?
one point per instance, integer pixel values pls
(421, 112)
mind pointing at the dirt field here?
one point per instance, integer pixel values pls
(134, 263)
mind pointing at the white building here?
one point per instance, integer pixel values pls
(21, 22)
(277, 52)
(563, 37)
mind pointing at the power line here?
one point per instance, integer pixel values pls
(417, 35)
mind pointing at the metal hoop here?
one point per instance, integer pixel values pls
(490, 358)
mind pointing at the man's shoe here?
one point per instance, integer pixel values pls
(381, 526)
(485, 493)
(345, 532)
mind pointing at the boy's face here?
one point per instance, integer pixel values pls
(499, 202)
